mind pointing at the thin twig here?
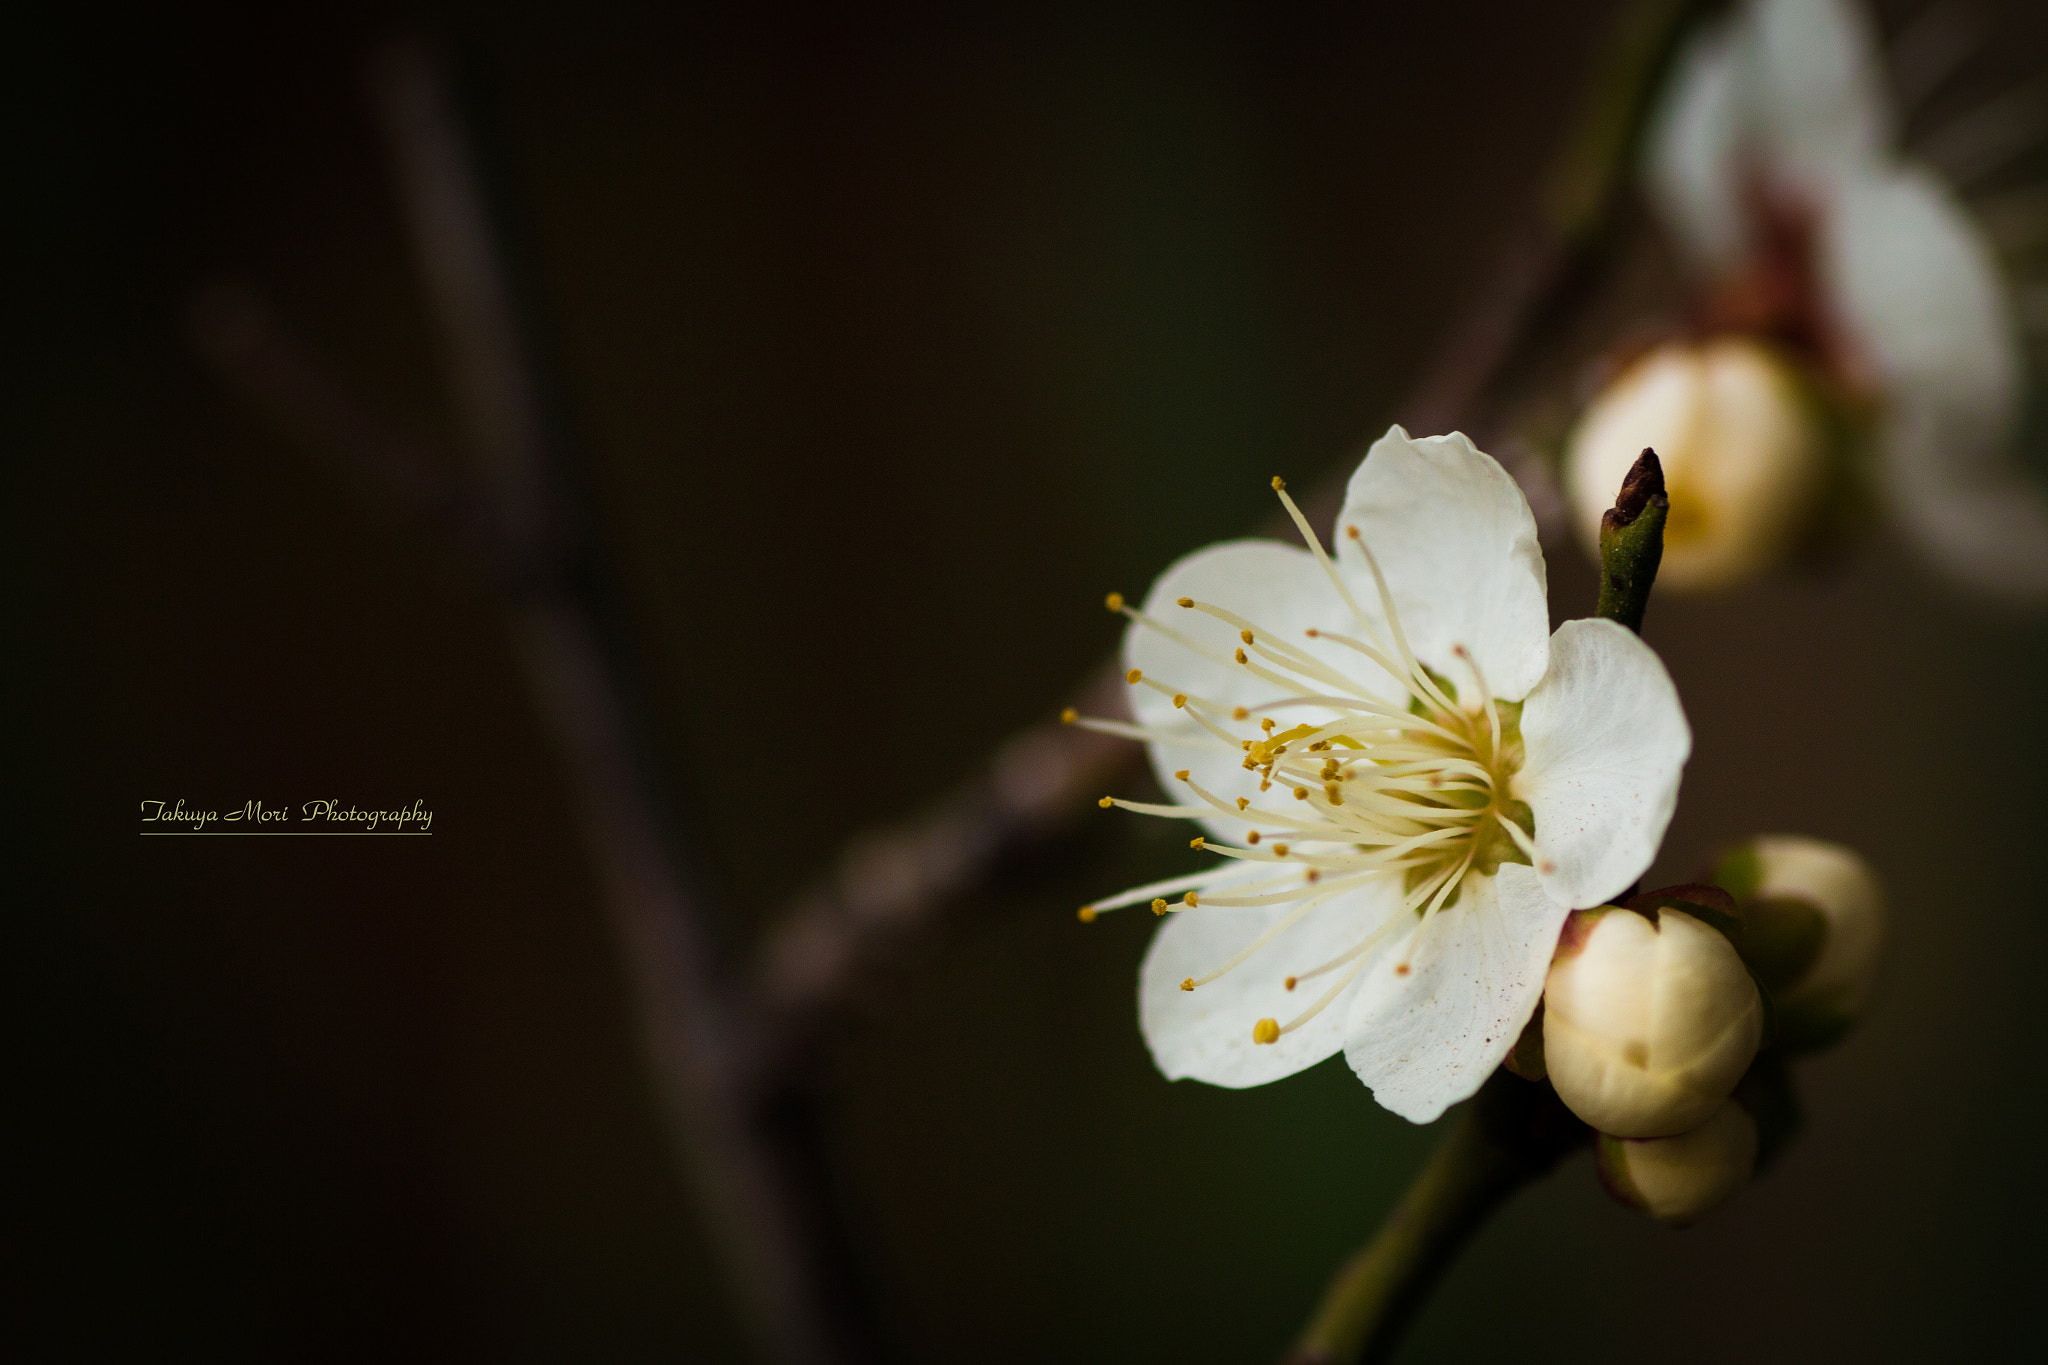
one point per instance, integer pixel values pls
(896, 883)
(753, 1183)
(793, 1291)
(727, 1057)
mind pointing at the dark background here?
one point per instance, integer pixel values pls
(890, 341)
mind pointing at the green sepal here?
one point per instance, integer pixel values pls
(1767, 1092)
(1710, 905)
(1782, 937)
(1809, 1026)
(1739, 872)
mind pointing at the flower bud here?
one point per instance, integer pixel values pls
(1814, 924)
(1745, 448)
(1678, 1179)
(1649, 1020)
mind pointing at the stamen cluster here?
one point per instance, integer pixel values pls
(1416, 786)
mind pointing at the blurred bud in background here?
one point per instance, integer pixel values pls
(1746, 446)
(1813, 930)
(1678, 1179)
(1773, 162)
(1649, 1020)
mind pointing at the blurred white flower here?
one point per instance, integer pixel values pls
(1411, 780)
(1772, 160)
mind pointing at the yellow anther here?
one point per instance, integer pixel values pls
(1069, 716)
(1240, 656)
(1266, 1030)
(1187, 983)
(1252, 838)
(1314, 634)
(1180, 699)
(1243, 801)
(1187, 601)
(1241, 713)
(1314, 876)
(1135, 675)
(1267, 725)
(1182, 774)
(1158, 907)
(1279, 850)
(1288, 983)
(1192, 898)
(1245, 636)
(1086, 914)
(1106, 802)
(1300, 794)
(1279, 484)
(1195, 842)
(1115, 601)
(1332, 795)
(1351, 531)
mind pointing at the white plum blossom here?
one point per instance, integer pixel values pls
(1410, 779)
(1772, 159)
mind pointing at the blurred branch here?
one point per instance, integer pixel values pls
(890, 886)
(730, 1057)
(298, 391)
(754, 1183)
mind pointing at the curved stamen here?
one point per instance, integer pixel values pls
(1402, 786)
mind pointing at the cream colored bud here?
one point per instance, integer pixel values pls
(1678, 1179)
(1745, 451)
(1647, 1023)
(1815, 928)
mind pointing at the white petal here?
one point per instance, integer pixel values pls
(1973, 512)
(1606, 741)
(1283, 591)
(1919, 289)
(1206, 1034)
(1816, 92)
(1429, 1038)
(1453, 534)
(1692, 152)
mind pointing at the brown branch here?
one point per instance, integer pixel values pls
(794, 1291)
(897, 882)
(296, 389)
(839, 934)
(728, 1057)
(750, 1164)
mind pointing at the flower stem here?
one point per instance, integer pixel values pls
(1632, 543)
(1511, 1133)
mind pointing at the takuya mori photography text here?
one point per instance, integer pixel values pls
(325, 815)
